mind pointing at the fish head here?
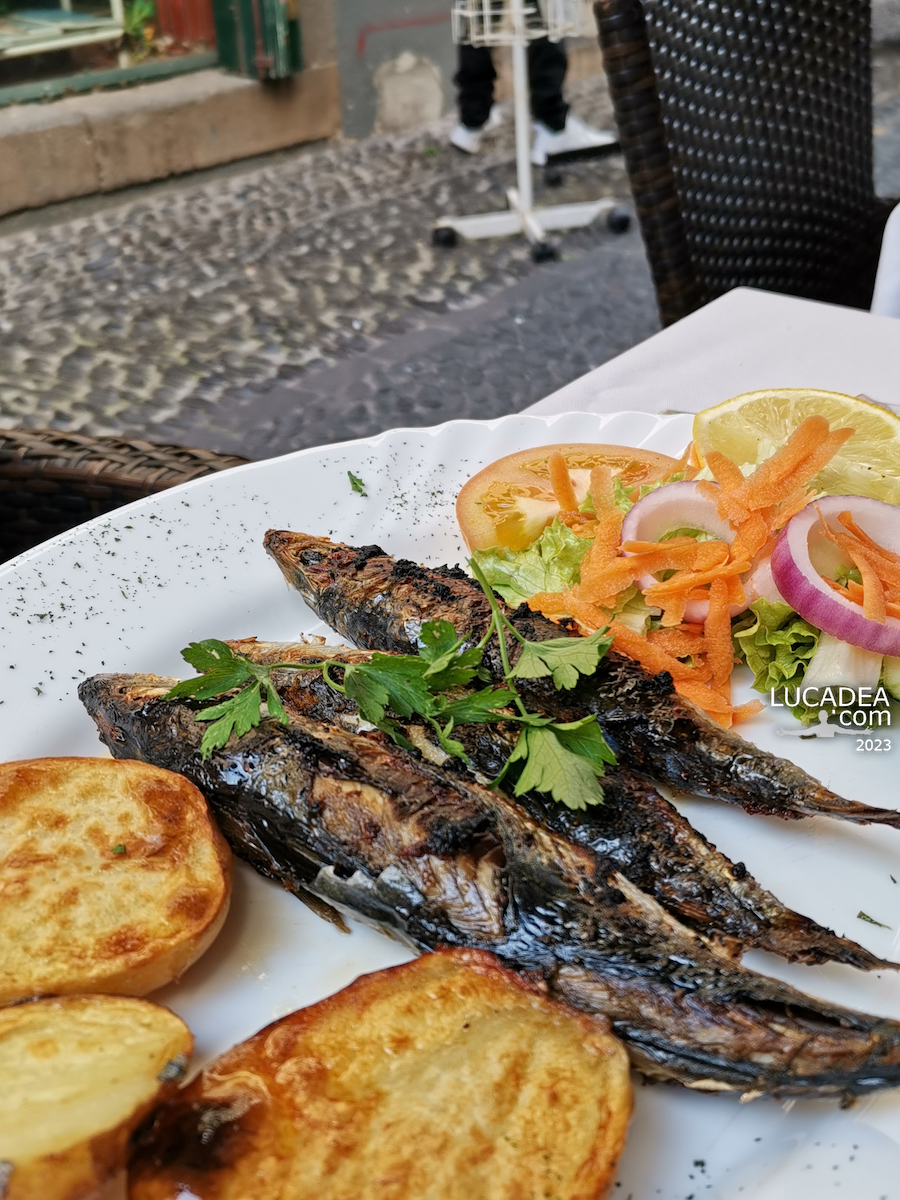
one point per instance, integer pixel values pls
(373, 599)
(113, 701)
(314, 564)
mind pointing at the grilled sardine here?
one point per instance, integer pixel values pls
(438, 859)
(636, 831)
(380, 603)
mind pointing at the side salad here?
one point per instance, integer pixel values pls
(697, 564)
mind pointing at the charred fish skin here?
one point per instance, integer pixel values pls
(458, 864)
(380, 603)
(636, 832)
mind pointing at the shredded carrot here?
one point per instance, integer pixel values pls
(551, 604)
(853, 591)
(691, 579)
(717, 631)
(653, 547)
(683, 466)
(587, 615)
(649, 655)
(673, 611)
(677, 642)
(729, 478)
(757, 490)
(576, 520)
(608, 529)
(751, 536)
(727, 474)
(702, 696)
(887, 570)
(561, 483)
(873, 589)
(820, 457)
(750, 709)
(601, 488)
(622, 572)
(846, 519)
(736, 593)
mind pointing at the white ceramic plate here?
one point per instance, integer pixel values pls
(127, 592)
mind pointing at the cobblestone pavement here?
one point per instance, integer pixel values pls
(302, 301)
(147, 316)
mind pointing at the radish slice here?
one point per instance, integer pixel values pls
(802, 555)
(678, 506)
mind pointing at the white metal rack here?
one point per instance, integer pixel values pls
(515, 23)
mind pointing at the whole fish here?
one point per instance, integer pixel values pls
(381, 603)
(635, 831)
(440, 860)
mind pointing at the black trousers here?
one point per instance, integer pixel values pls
(475, 77)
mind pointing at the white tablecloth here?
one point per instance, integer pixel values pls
(743, 341)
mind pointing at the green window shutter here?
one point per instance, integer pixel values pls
(259, 38)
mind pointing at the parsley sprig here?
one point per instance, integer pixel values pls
(563, 759)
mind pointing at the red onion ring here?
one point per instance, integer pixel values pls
(680, 506)
(798, 552)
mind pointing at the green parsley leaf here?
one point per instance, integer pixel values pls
(449, 665)
(240, 714)
(120, 849)
(357, 484)
(865, 917)
(448, 744)
(439, 643)
(388, 681)
(550, 766)
(586, 739)
(221, 670)
(563, 658)
(477, 707)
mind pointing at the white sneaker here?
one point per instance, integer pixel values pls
(469, 140)
(576, 137)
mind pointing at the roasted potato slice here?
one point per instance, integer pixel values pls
(79, 1073)
(449, 1078)
(113, 877)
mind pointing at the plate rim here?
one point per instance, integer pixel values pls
(375, 439)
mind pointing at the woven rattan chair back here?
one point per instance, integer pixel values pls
(747, 132)
(50, 481)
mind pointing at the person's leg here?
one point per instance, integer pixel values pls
(547, 63)
(474, 81)
(556, 129)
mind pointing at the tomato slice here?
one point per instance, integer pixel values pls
(511, 501)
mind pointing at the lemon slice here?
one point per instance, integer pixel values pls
(749, 428)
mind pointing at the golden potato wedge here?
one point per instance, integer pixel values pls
(113, 877)
(448, 1078)
(79, 1073)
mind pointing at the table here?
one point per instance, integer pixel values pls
(745, 340)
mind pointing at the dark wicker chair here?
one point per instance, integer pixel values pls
(50, 481)
(747, 132)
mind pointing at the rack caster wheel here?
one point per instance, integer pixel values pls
(553, 177)
(619, 220)
(444, 235)
(544, 252)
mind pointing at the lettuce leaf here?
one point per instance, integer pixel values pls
(550, 564)
(633, 610)
(777, 645)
